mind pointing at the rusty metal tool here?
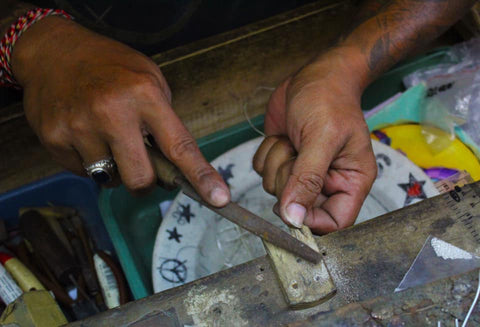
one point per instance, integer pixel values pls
(171, 176)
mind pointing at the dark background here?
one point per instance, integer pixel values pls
(154, 26)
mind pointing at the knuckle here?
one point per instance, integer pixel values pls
(267, 186)
(336, 126)
(257, 166)
(78, 126)
(311, 182)
(204, 172)
(146, 84)
(284, 171)
(181, 148)
(100, 109)
(343, 223)
(140, 182)
(148, 80)
(52, 137)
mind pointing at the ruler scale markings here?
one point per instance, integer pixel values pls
(462, 202)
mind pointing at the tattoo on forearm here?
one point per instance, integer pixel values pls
(10, 10)
(388, 29)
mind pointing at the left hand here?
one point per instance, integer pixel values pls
(317, 157)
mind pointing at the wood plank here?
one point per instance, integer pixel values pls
(211, 88)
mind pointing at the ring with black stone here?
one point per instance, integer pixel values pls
(101, 171)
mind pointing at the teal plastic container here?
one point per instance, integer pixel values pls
(132, 222)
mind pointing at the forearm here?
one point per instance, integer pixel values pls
(386, 31)
(10, 10)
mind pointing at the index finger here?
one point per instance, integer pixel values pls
(181, 149)
(307, 178)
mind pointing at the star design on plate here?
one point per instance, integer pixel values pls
(173, 234)
(184, 214)
(414, 189)
(226, 172)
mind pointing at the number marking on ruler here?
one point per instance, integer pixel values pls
(464, 213)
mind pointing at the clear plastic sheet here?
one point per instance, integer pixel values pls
(453, 95)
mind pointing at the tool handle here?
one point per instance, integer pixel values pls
(48, 246)
(164, 169)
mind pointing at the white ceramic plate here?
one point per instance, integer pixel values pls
(193, 242)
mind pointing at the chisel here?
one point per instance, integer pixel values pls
(169, 175)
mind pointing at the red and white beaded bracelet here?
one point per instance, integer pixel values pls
(12, 35)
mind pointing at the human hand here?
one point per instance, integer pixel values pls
(317, 157)
(89, 98)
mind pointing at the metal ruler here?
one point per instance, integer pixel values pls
(464, 203)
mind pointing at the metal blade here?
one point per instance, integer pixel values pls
(256, 225)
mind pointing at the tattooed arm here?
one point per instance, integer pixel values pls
(389, 30)
(317, 158)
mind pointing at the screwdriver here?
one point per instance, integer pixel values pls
(170, 176)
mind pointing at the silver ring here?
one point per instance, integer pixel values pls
(101, 171)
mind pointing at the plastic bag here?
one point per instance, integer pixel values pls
(453, 94)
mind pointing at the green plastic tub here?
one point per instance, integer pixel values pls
(132, 222)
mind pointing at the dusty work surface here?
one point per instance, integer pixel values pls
(366, 262)
(211, 80)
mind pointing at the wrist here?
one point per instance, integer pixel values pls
(348, 66)
(40, 46)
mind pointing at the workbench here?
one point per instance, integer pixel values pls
(366, 262)
(212, 81)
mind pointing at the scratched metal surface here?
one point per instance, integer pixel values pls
(366, 261)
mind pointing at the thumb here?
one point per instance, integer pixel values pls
(306, 180)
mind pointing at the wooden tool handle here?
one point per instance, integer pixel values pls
(164, 169)
(48, 246)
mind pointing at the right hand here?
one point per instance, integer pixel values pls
(88, 98)
(317, 157)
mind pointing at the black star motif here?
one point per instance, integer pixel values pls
(183, 214)
(226, 173)
(414, 189)
(173, 235)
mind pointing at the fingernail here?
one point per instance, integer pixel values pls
(219, 196)
(295, 214)
(276, 209)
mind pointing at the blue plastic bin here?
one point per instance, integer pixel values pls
(63, 189)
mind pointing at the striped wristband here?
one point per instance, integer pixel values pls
(13, 33)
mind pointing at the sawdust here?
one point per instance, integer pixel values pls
(214, 307)
(340, 273)
(448, 251)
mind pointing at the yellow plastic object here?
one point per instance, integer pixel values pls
(409, 139)
(33, 309)
(22, 275)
